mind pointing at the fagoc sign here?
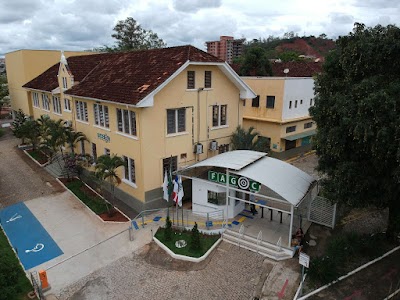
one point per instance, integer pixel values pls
(241, 182)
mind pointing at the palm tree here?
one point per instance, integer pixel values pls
(52, 136)
(73, 137)
(106, 169)
(30, 130)
(243, 139)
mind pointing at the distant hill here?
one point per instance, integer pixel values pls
(308, 47)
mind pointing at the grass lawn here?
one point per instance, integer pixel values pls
(87, 196)
(38, 155)
(206, 242)
(13, 282)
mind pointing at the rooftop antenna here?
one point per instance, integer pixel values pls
(286, 71)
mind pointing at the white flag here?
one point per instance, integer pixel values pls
(180, 191)
(165, 187)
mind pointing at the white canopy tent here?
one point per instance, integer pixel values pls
(289, 182)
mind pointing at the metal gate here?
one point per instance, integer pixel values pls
(322, 211)
(37, 287)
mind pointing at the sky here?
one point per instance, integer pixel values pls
(87, 24)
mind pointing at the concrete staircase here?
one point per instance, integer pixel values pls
(264, 248)
(56, 168)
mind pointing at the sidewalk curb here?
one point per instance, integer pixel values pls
(290, 160)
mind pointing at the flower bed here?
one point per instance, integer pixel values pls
(93, 201)
(207, 241)
(38, 155)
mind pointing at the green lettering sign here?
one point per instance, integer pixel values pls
(233, 181)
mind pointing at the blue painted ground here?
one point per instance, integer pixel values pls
(33, 244)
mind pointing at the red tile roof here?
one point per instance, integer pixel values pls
(296, 68)
(122, 77)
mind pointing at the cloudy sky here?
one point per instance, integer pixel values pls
(85, 24)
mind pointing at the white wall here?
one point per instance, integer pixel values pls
(200, 203)
(297, 89)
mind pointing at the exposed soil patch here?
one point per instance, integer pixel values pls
(113, 216)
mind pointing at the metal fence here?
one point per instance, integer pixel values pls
(180, 217)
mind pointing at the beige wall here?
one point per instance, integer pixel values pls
(152, 144)
(23, 66)
(157, 145)
(265, 87)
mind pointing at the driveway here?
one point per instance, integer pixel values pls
(52, 217)
(21, 179)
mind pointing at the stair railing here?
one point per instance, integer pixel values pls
(259, 240)
(241, 234)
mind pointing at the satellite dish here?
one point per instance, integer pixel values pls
(286, 71)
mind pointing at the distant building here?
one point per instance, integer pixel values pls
(280, 112)
(227, 48)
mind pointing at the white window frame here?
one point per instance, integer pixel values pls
(81, 111)
(101, 115)
(65, 83)
(219, 116)
(56, 105)
(45, 102)
(67, 104)
(176, 118)
(121, 126)
(35, 100)
(129, 171)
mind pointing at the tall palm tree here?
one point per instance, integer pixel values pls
(243, 139)
(106, 169)
(73, 137)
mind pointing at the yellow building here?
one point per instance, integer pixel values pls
(151, 107)
(280, 112)
(24, 65)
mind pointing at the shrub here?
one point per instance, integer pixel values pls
(195, 238)
(323, 270)
(168, 229)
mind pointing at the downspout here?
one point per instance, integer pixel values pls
(198, 118)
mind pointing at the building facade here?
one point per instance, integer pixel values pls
(280, 111)
(227, 48)
(155, 108)
(24, 65)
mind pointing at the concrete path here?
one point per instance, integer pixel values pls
(74, 228)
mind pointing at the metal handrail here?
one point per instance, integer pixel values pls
(279, 243)
(259, 239)
(241, 234)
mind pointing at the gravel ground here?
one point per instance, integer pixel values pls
(308, 164)
(21, 179)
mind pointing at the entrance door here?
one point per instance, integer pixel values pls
(290, 144)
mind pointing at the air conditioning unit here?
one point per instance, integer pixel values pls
(198, 148)
(214, 146)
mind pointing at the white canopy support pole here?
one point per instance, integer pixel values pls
(227, 195)
(291, 226)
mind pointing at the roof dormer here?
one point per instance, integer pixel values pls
(65, 74)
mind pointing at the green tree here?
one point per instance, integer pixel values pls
(106, 169)
(52, 137)
(4, 97)
(249, 139)
(73, 137)
(30, 131)
(131, 36)
(255, 63)
(358, 119)
(289, 56)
